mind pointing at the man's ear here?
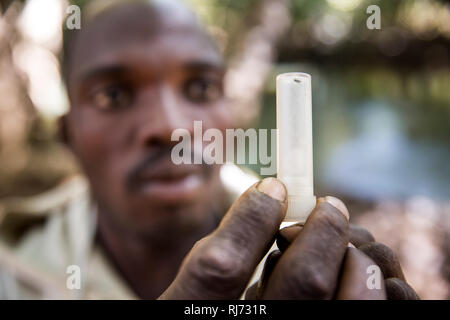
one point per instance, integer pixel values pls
(63, 131)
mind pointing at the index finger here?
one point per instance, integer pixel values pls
(309, 268)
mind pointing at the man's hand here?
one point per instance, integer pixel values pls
(326, 267)
(220, 265)
(314, 260)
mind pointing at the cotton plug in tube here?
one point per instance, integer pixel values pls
(294, 143)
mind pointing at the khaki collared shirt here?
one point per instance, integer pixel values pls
(47, 244)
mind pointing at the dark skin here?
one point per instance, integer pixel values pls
(127, 97)
(135, 74)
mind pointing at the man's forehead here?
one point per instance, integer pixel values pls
(148, 18)
(138, 28)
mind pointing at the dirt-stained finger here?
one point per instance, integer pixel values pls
(309, 268)
(360, 236)
(286, 235)
(353, 284)
(397, 289)
(385, 258)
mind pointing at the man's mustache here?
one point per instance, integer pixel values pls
(153, 159)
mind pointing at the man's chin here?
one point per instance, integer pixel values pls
(173, 220)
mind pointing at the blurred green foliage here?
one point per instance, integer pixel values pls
(404, 67)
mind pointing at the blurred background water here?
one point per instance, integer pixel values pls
(372, 138)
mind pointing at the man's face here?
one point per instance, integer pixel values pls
(135, 76)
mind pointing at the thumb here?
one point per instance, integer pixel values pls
(220, 265)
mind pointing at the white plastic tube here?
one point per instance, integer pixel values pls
(294, 143)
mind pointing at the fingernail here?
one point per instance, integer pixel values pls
(338, 204)
(273, 188)
(350, 245)
(289, 233)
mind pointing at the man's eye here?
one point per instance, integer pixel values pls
(111, 97)
(203, 90)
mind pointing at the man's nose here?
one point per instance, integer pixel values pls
(163, 114)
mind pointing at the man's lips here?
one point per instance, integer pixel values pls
(177, 189)
(170, 183)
